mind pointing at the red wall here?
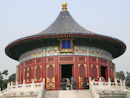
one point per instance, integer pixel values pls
(49, 68)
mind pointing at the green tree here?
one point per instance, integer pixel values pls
(120, 75)
(3, 83)
(128, 79)
(12, 77)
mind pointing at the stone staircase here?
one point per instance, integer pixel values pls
(68, 94)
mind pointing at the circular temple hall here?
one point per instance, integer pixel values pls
(62, 50)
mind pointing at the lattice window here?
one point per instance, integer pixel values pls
(66, 58)
(103, 61)
(82, 58)
(50, 59)
(38, 73)
(28, 62)
(82, 71)
(30, 74)
(50, 72)
(93, 59)
(38, 60)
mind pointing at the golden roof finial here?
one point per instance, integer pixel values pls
(64, 6)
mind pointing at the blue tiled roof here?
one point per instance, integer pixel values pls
(65, 27)
(65, 24)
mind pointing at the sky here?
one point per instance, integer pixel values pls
(20, 18)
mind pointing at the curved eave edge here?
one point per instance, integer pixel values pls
(64, 35)
(41, 36)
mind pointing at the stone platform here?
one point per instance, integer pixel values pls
(68, 94)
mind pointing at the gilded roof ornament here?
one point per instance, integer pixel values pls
(64, 6)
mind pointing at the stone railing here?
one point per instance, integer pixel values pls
(128, 88)
(32, 89)
(98, 87)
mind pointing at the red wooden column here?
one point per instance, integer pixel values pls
(106, 73)
(76, 74)
(33, 68)
(99, 66)
(88, 67)
(56, 73)
(60, 73)
(72, 70)
(20, 79)
(44, 67)
(24, 71)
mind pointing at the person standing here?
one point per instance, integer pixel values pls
(85, 83)
(73, 82)
(63, 83)
(102, 79)
(67, 83)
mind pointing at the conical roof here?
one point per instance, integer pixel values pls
(65, 27)
(65, 24)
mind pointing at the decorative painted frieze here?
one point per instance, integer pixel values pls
(55, 50)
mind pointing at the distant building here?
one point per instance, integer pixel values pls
(63, 50)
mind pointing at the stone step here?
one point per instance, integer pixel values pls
(84, 94)
(68, 94)
(52, 94)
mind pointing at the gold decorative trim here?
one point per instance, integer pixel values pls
(48, 66)
(27, 74)
(97, 60)
(96, 66)
(53, 65)
(27, 69)
(80, 82)
(92, 66)
(50, 85)
(97, 70)
(79, 65)
(40, 67)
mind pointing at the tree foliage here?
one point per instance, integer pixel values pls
(12, 78)
(3, 83)
(128, 79)
(120, 75)
(5, 72)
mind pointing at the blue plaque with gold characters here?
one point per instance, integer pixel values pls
(66, 45)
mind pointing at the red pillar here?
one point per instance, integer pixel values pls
(56, 73)
(88, 67)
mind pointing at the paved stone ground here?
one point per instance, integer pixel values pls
(68, 94)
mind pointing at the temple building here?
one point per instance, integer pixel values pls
(63, 50)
